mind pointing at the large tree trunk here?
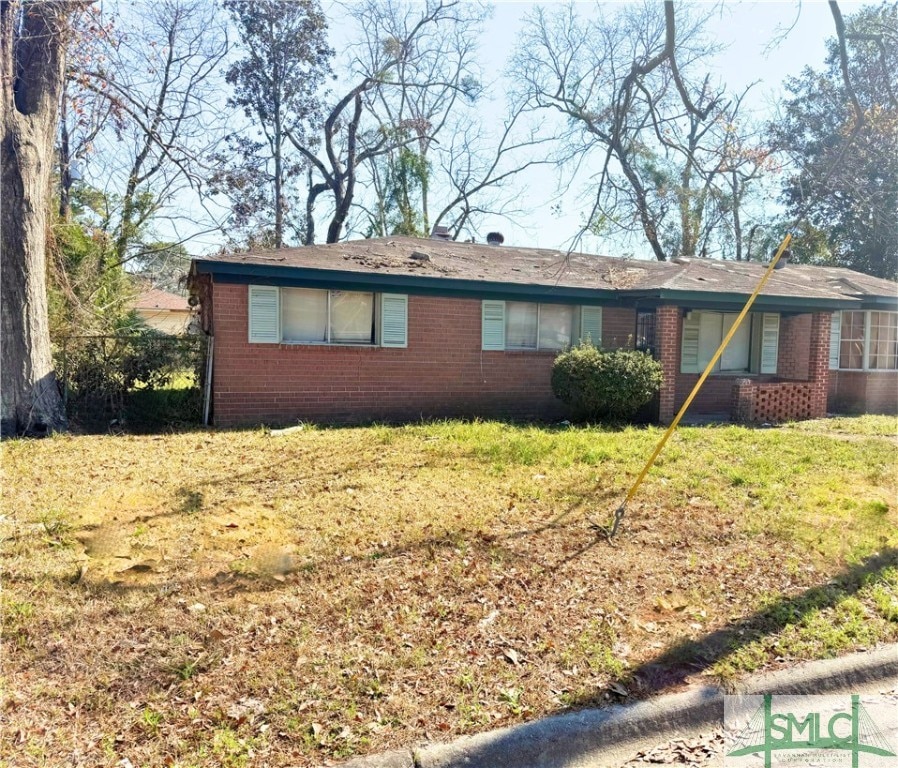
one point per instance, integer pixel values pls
(32, 59)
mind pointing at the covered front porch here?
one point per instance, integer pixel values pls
(775, 369)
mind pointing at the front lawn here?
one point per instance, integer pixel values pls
(238, 598)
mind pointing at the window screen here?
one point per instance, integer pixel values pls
(352, 317)
(883, 340)
(851, 348)
(555, 324)
(304, 315)
(520, 325)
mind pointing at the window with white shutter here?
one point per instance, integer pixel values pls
(493, 325)
(770, 341)
(526, 325)
(591, 325)
(393, 320)
(835, 340)
(320, 316)
(264, 314)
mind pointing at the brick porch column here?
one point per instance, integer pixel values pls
(818, 363)
(667, 346)
(743, 401)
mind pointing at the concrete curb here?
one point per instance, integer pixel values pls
(608, 737)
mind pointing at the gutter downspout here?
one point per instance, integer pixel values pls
(207, 394)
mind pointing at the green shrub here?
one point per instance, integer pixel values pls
(142, 379)
(600, 385)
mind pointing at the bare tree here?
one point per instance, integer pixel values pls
(433, 85)
(477, 167)
(276, 85)
(399, 53)
(32, 62)
(627, 88)
(156, 78)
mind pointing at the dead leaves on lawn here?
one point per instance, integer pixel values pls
(346, 591)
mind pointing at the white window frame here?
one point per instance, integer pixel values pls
(490, 339)
(377, 319)
(837, 329)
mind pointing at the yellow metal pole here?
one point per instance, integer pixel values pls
(619, 513)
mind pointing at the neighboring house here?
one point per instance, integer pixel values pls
(163, 311)
(402, 328)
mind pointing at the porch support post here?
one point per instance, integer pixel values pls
(667, 340)
(818, 362)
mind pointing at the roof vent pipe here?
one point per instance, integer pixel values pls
(440, 233)
(784, 259)
(495, 238)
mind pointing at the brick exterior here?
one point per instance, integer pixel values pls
(863, 392)
(801, 386)
(794, 351)
(667, 346)
(442, 373)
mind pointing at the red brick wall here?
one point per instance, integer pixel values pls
(774, 402)
(618, 328)
(794, 351)
(667, 346)
(863, 392)
(443, 372)
(818, 362)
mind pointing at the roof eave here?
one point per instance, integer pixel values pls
(884, 303)
(725, 300)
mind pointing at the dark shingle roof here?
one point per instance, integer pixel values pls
(406, 256)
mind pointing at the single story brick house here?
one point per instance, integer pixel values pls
(403, 328)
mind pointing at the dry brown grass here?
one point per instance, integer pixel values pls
(234, 598)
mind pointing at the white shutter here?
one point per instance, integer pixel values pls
(690, 345)
(591, 325)
(493, 325)
(770, 341)
(835, 341)
(393, 320)
(264, 314)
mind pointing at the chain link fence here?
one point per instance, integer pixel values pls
(145, 382)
